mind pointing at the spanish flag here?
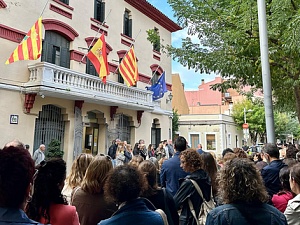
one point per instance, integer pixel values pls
(128, 68)
(31, 46)
(97, 55)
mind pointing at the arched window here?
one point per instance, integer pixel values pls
(56, 49)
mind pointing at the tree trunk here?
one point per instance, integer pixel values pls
(297, 98)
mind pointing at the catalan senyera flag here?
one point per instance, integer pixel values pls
(128, 68)
(98, 57)
(31, 46)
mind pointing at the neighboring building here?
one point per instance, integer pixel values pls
(179, 102)
(208, 119)
(59, 96)
(215, 132)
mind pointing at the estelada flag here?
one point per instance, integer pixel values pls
(31, 46)
(97, 55)
(128, 68)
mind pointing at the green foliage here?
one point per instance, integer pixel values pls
(53, 150)
(255, 116)
(154, 38)
(228, 44)
(284, 123)
(175, 124)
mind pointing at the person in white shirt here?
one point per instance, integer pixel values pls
(39, 155)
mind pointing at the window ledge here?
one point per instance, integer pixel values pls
(99, 23)
(63, 4)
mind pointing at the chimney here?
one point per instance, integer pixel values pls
(202, 81)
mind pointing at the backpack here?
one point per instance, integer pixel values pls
(205, 208)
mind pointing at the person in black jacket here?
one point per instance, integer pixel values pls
(113, 148)
(191, 162)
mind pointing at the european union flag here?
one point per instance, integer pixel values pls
(159, 88)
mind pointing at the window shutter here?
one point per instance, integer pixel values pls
(102, 12)
(64, 57)
(130, 28)
(124, 23)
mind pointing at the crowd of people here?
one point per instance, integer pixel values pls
(139, 185)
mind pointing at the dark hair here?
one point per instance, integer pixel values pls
(295, 173)
(210, 166)
(284, 177)
(272, 150)
(180, 144)
(16, 172)
(192, 158)
(289, 162)
(148, 169)
(240, 180)
(50, 175)
(124, 183)
(291, 152)
(27, 146)
(227, 150)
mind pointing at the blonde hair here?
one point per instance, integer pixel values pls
(96, 174)
(78, 169)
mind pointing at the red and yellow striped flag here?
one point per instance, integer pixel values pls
(98, 57)
(31, 46)
(128, 68)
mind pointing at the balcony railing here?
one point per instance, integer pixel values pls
(61, 82)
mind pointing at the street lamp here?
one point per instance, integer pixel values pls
(245, 116)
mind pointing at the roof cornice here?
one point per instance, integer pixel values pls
(153, 13)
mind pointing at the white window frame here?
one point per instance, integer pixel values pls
(205, 141)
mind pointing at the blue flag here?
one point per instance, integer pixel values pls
(159, 88)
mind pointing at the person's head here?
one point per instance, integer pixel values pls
(270, 152)
(136, 160)
(96, 174)
(155, 162)
(240, 180)
(295, 178)
(47, 189)
(141, 141)
(260, 165)
(15, 143)
(42, 147)
(229, 156)
(210, 166)
(16, 176)
(289, 161)
(120, 148)
(284, 177)
(124, 183)
(190, 160)
(149, 171)
(160, 145)
(199, 146)
(180, 144)
(150, 147)
(291, 152)
(117, 141)
(78, 169)
(225, 151)
(240, 153)
(170, 142)
(129, 147)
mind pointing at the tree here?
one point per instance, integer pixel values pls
(175, 124)
(286, 125)
(229, 44)
(53, 150)
(255, 118)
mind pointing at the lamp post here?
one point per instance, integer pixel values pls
(245, 116)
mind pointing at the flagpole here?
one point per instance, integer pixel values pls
(44, 8)
(98, 32)
(127, 51)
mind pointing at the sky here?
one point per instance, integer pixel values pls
(190, 78)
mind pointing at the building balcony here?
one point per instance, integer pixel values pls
(47, 79)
